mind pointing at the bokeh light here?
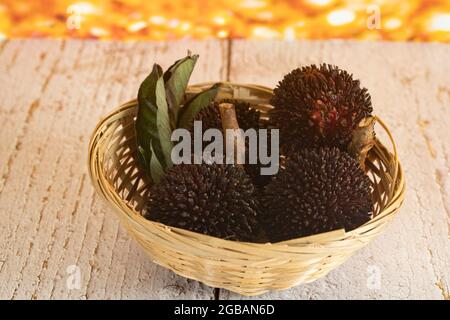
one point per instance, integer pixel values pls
(397, 20)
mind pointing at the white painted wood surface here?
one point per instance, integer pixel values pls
(52, 93)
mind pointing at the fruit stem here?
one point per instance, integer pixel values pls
(229, 121)
(363, 140)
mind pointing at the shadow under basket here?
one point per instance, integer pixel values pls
(246, 268)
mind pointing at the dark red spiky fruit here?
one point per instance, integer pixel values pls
(210, 118)
(217, 200)
(318, 190)
(318, 106)
(248, 118)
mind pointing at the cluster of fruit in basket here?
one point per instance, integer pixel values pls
(325, 133)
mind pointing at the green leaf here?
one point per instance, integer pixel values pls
(176, 79)
(159, 98)
(163, 122)
(143, 154)
(145, 125)
(196, 104)
(156, 169)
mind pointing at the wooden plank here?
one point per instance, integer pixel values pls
(52, 95)
(409, 84)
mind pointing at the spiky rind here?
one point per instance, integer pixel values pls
(248, 118)
(318, 106)
(217, 200)
(210, 117)
(318, 190)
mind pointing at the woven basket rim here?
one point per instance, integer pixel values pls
(137, 221)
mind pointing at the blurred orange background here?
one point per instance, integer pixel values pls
(410, 20)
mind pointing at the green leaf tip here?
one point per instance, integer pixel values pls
(176, 80)
(196, 104)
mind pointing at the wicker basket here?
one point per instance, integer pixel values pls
(245, 268)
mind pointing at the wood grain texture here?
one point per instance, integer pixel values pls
(54, 92)
(409, 85)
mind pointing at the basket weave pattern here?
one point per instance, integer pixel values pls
(245, 268)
